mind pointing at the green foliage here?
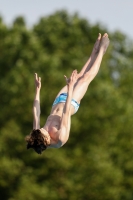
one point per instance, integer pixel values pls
(96, 163)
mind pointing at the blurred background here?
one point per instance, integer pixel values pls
(53, 38)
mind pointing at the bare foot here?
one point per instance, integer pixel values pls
(104, 43)
(97, 45)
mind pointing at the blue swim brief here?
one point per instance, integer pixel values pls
(62, 99)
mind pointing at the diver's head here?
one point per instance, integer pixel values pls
(39, 140)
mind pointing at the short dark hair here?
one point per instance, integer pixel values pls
(36, 141)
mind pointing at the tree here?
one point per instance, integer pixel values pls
(96, 161)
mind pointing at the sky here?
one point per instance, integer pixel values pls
(113, 14)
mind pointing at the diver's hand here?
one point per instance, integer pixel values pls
(73, 79)
(37, 81)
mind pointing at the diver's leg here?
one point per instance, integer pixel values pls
(86, 68)
(92, 57)
(88, 64)
(83, 82)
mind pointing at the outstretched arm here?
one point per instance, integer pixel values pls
(64, 129)
(36, 103)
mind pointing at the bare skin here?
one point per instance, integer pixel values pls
(57, 126)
